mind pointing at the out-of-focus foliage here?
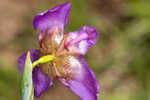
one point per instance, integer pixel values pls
(120, 59)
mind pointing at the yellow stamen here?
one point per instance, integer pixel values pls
(43, 59)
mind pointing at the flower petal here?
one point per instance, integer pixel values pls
(80, 41)
(40, 81)
(83, 82)
(55, 17)
(35, 54)
(52, 24)
(50, 40)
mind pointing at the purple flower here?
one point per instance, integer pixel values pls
(68, 64)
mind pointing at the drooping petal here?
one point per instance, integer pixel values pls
(83, 82)
(80, 41)
(40, 81)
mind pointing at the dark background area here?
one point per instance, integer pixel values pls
(120, 58)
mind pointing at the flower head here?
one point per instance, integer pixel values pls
(67, 51)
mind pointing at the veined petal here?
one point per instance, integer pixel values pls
(40, 81)
(52, 24)
(80, 41)
(83, 82)
(50, 40)
(55, 17)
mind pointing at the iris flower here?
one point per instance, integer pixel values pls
(62, 54)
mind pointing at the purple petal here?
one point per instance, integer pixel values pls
(40, 81)
(35, 54)
(80, 41)
(83, 83)
(52, 24)
(55, 17)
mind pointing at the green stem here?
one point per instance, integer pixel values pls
(43, 59)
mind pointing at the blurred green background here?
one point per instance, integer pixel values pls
(120, 58)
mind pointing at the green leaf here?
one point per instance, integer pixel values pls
(26, 80)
